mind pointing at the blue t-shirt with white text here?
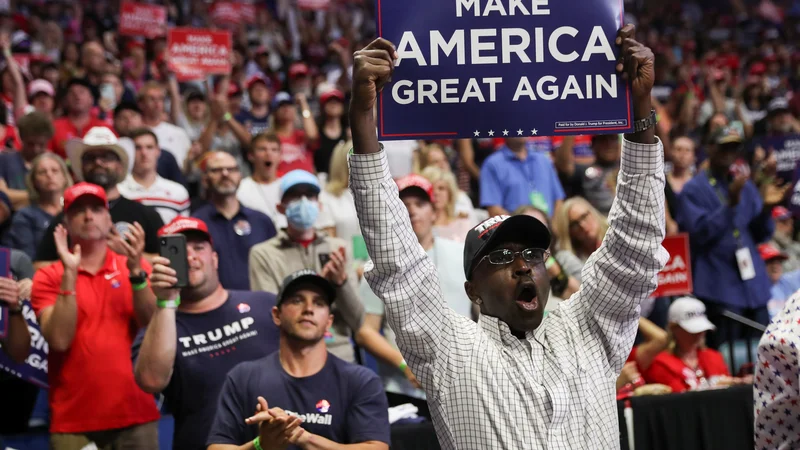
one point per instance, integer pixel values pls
(210, 344)
(342, 402)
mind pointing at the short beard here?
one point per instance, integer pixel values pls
(102, 179)
(224, 192)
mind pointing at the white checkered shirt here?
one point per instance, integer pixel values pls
(487, 389)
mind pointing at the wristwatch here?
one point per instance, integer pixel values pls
(647, 122)
(306, 113)
(138, 278)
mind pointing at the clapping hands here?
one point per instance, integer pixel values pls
(276, 429)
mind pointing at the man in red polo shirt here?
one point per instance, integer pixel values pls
(90, 306)
(78, 118)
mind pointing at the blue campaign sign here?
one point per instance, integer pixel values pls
(787, 152)
(34, 369)
(502, 68)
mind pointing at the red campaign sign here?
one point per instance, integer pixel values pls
(313, 5)
(23, 61)
(233, 13)
(195, 53)
(676, 277)
(139, 19)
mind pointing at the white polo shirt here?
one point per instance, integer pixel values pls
(170, 199)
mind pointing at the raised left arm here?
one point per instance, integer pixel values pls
(623, 271)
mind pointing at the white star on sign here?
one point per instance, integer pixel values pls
(534, 131)
(477, 133)
(505, 132)
(519, 132)
(491, 132)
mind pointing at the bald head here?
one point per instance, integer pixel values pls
(222, 175)
(92, 58)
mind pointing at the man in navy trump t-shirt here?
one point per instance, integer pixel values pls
(307, 397)
(194, 339)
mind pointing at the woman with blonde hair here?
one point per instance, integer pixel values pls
(338, 201)
(429, 155)
(580, 228)
(46, 182)
(450, 222)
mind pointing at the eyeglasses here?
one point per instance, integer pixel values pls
(106, 156)
(503, 256)
(219, 170)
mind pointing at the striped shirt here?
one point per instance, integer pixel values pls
(487, 389)
(170, 199)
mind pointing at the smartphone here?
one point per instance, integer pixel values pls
(323, 259)
(173, 247)
(107, 93)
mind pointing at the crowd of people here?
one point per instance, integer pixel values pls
(105, 153)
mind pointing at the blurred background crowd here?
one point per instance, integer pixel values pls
(260, 157)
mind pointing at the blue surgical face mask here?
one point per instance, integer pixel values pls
(302, 214)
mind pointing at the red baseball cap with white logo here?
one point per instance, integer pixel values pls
(184, 224)
(83, 189)
(781, 213)
(415, 181)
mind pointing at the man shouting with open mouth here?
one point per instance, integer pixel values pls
(514, 380)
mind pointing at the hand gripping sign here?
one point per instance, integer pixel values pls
(502, 68)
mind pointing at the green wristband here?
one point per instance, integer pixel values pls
(172, 304)
(140, 286)
(403, 366)
(549, 263)
(257, 443)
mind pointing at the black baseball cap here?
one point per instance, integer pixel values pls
(75, 81)
(495, 230)
(195, 94)
(306, 276)
(127, 106)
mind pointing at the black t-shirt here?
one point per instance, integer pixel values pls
(123, 212)
(342, 402)
(210, 344)
(322, 156)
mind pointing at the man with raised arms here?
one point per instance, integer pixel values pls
(514, 380)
